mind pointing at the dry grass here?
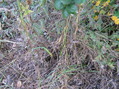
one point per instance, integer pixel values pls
(52, 53)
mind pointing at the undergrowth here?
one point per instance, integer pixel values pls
(76, 36)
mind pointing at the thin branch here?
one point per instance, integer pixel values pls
(10, 41)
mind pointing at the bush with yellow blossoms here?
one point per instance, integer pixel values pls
(103, 21)
(107, 8)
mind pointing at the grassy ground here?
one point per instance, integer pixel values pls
(45, 48)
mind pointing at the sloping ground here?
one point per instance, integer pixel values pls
(44, 59)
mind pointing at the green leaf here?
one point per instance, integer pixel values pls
(44, 49)
(22, 7)
(79, 1)
(27, 12)
(72, 9)
(42, 2)
(116, 13)
(103, 0)
(65, 13)
(59, 5)
(66, 2)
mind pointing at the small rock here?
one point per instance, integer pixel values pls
(19, 84)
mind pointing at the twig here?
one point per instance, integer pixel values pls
(10, 41)
(4, 9)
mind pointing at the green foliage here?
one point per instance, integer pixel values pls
(68, 6)
(23, 10)
(116, 13)
(72, 9)
(59, 5)
(79, 1)
(42, 2)
(95, 17)
(66, 2)
(65, 13)
(43, 49)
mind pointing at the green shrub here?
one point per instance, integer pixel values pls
(68, 7)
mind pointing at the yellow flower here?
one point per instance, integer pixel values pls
(95, 11)
(97, 3)
(93, 1)
(96, 17)
(118, 39)
(106, 3)
(116, 21)
(114, 18)
(109, 14)
(117, 49)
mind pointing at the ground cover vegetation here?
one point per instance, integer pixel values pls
(59, 44)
